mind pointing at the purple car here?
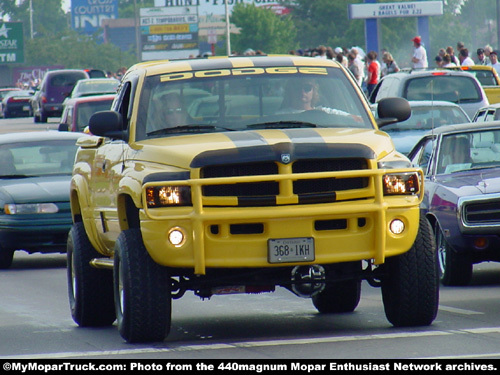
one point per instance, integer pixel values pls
(462, 195)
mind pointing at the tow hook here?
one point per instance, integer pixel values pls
(308, 281)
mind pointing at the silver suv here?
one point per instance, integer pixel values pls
(454, 86)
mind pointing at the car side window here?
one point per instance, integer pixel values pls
(423, 156)
(123, 103)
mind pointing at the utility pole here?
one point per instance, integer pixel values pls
(31, 19)
(228, 33)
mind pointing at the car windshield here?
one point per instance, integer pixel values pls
(430, 117)
(28, 159)
(248, 98)
(85, 110)
(95, 86)
(469, 150)
(455, 89)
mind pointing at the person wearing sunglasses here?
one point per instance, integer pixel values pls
(300, 95)
(174, 111)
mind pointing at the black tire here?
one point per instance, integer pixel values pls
(90, 289)
(6, 257)
(454, 269)
(142, 291)
(410, 286)
(339, 297)
(43, 117)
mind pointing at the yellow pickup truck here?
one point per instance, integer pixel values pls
(488, 77)
(240, 175)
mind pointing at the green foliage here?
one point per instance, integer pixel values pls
(311, 23)
(326, 22)
(261, 29)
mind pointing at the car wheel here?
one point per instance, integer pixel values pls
(410, 286)
(454, 269)
(6, 257)
(142, 291)
(90, 289)
(43, 117)
(338, 297)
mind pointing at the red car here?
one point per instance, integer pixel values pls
(77, 111)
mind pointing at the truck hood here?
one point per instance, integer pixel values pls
(287, 145)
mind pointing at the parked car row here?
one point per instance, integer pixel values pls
(460, 158)
(36, 167)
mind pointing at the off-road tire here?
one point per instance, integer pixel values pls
(90, 289)
(338, 297)
(142, 291)
(454, 269)
(410, 286)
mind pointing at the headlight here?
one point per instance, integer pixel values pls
(161, 196)
(401, 184)
(30, 208)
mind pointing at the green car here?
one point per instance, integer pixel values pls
(35, 174)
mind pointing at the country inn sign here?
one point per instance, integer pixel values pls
(11, 42)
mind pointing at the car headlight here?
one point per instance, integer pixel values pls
(30, 208)
(401, 184)
(164, 196)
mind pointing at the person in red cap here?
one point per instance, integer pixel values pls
(419, 58)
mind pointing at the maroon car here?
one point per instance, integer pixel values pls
(462, 195)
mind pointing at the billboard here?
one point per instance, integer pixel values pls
(87, 15)
(169, 32)
(11, 42)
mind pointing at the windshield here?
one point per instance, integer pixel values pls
(248, 98)
(85, 110)
(455, 89)
(26, 159)
(430, 117)
(469, 150)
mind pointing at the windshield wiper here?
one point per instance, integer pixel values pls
(188, 129)
(282, 125)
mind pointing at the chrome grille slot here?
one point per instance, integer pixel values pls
(482, 212)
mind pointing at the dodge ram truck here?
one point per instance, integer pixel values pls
(241, 175)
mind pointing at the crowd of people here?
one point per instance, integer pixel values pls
(368, 69)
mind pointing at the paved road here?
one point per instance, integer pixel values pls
(35, 321)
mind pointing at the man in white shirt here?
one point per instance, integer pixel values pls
(419, 58)
(494, 61)
(464, 58)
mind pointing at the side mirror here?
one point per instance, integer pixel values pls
(391, 110)
(107, 124)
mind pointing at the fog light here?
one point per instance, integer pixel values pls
(397, 226)
(176, 236)
(481, 243)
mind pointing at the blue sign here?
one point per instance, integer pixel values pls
(87, 15)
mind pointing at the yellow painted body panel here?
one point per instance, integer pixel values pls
(107, 173)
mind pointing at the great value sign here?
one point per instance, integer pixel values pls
(385, 10)
(11, 42)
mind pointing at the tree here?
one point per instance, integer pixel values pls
(326, 22)
(262, 29)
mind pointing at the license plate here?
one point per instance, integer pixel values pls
(26, 108)
(289, 250)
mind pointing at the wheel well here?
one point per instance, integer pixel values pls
(433, 221)
(128, 213)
